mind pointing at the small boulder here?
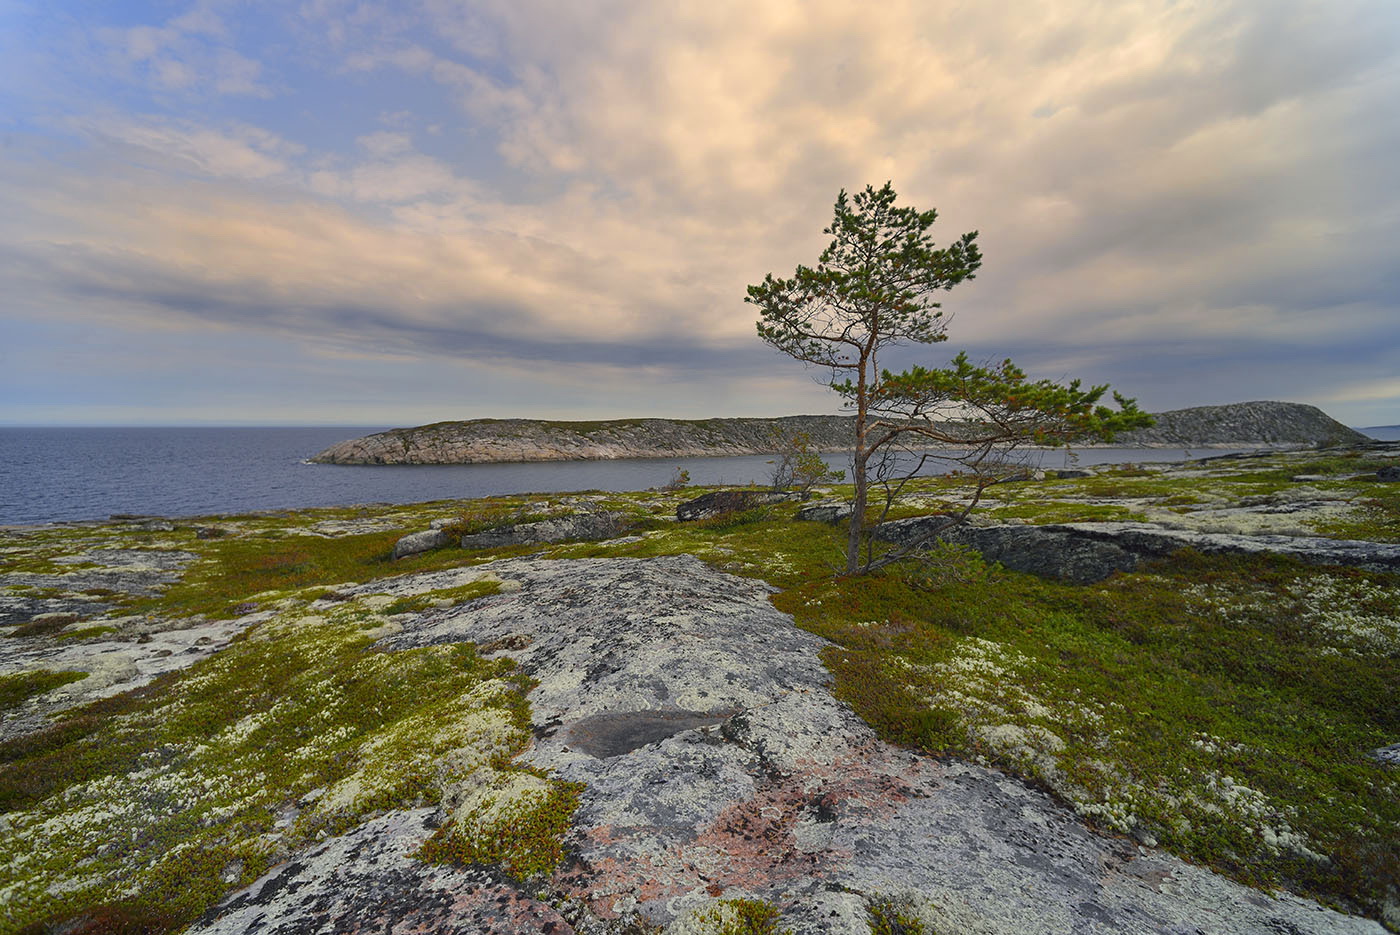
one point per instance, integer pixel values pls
(1389, 475)
(726, 501)
(1070, 475)
(416, 542)
(579, 526)
(825, 511)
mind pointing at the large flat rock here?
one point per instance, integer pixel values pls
(718, 765)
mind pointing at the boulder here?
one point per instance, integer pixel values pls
(578, 526)
(724, 501)
(825, 511)
(1089, 552)
(1071, 475)
(1389, 475)
(416, 542)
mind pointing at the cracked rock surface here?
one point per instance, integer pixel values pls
(717, 765)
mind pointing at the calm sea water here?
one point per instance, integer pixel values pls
(51, 474)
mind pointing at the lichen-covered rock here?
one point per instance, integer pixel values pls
(720, 502)
(825, 511)
(416, 542)
(718, 766)
(1089, 552)
(577, 526)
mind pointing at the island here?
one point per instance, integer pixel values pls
(483, 441)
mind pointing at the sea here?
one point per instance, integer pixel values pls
(69, 474)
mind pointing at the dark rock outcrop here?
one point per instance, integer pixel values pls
(578, 526)
(1089, 552)
(721, 502)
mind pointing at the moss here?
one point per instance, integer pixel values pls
(525, 838)
(739, 917)
(442, 597)
(151, 796)
(18, 688)
(888, 916)
(1222, 705)
(43, 626)
(86, 633)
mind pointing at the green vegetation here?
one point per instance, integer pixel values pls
(740, 917)
(894, 917)
(1221, 707)
(180, 791)
(18, 688)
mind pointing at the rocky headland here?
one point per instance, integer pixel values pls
(661, 712)
(1242, 425)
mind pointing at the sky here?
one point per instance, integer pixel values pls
(371, 213)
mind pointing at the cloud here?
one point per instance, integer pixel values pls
(189, 53)
(1146, 174)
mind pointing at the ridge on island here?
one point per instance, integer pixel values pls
(479, 441)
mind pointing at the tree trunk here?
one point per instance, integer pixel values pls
(857, 525)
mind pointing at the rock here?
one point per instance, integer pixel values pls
(1244, 425)
(716, 764)
(496, 440)
(1390, 755)
(1389, 475)
(578, 526)
(416, 542)
(725, 501)
(1071, 475)
(1089, 552)
(825, 511)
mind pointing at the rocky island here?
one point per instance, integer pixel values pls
(478, 441)
(1156, 698)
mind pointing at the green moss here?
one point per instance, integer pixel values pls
(888, 916)
(156, 794)
(741, 917)
(18, 688)
(45, 625)
(418, 603)
(86, 633)
(525, 838)
(1222, 705)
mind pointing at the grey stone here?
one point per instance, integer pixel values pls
(578, 526)
(1390, 755)
(792, 799)
(1389, 475)
(825, 511)
(1071, 475)
(1089, 552)
(416, 542)
(710, 505)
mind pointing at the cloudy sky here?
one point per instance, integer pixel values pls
(376, 213)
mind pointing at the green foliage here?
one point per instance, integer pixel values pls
(42, 626)
(1005, 406)
(741, 917)
(797, 464)
(678, 481)
(526, 839)
(872, 288)
(894, 917)
(1222, 705)
(153, 796)
(21, 686)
